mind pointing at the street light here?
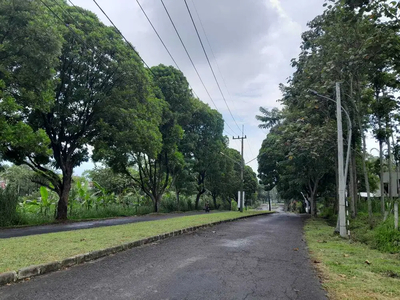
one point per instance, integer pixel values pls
(342, 174)
(349, 132)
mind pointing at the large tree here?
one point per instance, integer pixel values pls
(204, 142)
(97, 76)
(156, 165)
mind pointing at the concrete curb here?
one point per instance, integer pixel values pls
(32, 271)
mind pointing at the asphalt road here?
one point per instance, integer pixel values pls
(32, 230)
(257, 258)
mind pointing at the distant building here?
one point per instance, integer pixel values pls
(395, 183)
(395, 186)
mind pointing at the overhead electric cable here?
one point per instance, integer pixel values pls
(209, 63)
(212, 52)
(116, 28)
(161, 40)
(165, 46)
(191, 60)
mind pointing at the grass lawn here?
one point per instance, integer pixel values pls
(351, 270)
(19, 252)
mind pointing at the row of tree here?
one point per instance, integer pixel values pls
(356, 43)
(69, 84)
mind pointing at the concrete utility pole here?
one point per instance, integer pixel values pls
(269, 201)
(342, 172)
(241, 171)
(342, 183)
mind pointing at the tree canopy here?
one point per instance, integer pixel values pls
(355, 43)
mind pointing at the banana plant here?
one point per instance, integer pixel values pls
(103, 196)
(84, 195)
(46, 200)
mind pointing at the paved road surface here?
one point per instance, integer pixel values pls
(25, 231)
(253, 258)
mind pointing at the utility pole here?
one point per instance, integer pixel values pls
(241, 170)
(342, 182)
(269, 201)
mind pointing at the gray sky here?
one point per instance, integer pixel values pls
(253, 42)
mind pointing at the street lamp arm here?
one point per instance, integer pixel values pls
(327, 98)
(349, 129)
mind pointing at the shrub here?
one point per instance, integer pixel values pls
(189, 204)
(327, 213)
(168, 203)
(8, 207)
(386, 238)
(234, 205)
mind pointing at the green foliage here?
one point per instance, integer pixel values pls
(386, 238)
(20, 178)
(64, 89)
(8, 206)
(46, 201)
(92, 80)
(234, 206)
(352, 42)
(351, 270)
(109, 180)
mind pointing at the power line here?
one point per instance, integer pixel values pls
(161, 40)
(252, 160)
(212, 52)
(66, 25)
(209, 63)
(190, 58)
(216, 62)
(116, 28)
(120, 33)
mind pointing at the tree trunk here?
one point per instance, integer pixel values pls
(364, 157)
(390, 166)
(382, 186)
(155, 203)
(62, 207)
(313, 205)
(177, 200)
(352, 189)
(215, 201)
(196, 205)
(355, 187)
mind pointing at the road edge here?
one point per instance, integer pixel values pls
(26, 273)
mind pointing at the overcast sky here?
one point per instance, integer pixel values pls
(253, 42)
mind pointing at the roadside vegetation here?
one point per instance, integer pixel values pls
(355, 43)
(99, 193)
(350, 269)
(72, 89)
(21, 252)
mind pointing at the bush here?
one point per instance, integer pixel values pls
(234, 205)
(327, 213)
(189, 204)
(8, 207)
(386, 238)
(112, 210)
(168, 203)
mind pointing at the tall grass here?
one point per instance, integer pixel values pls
(8, 206)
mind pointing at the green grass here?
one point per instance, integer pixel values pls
(376, 233)
(19, 252)
(351, 270)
